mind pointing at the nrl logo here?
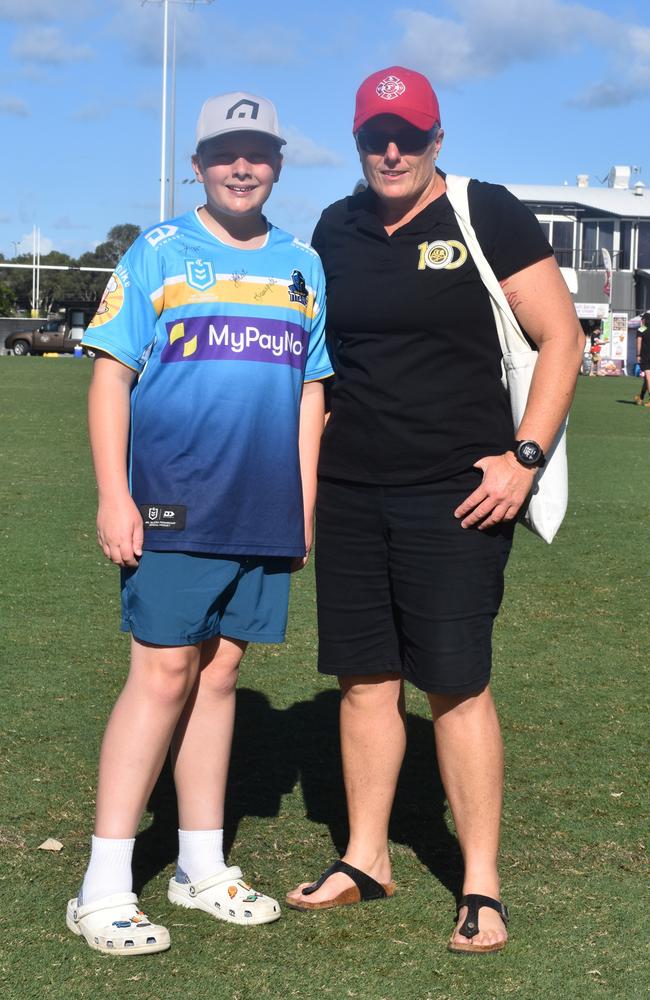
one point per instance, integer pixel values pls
(298, 288)
(200, 274)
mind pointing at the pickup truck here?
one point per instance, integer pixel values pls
(59, 335)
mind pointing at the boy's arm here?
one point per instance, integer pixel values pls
(119, 524)
(312, 419)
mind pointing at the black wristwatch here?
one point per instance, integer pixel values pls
(529, 454)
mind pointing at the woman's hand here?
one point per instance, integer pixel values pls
(504, 488)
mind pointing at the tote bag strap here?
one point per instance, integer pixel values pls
(511, 338)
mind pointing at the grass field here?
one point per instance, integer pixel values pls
(571, 681)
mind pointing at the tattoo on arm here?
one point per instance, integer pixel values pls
(513, 297)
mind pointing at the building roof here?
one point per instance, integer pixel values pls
(624, 202)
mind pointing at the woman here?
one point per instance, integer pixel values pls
(421, 478)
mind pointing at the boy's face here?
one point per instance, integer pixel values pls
(238, 171)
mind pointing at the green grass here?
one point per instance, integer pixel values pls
(571, 681)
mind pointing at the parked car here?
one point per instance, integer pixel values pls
(59, 335)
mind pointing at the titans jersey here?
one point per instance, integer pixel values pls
(222, 340)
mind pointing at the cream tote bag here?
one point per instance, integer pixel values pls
(548, 500)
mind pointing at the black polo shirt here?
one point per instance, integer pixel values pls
(418, 394)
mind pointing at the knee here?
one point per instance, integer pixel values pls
(461, 706)
(219, 678)
(371, 692)
(170, 674)
(220, 673)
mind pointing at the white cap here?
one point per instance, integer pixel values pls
(237, 112)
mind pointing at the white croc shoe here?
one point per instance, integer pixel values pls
(116, 926)
(226, 897)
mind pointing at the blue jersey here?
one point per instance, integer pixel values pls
(222, 340)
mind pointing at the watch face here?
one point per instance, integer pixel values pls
(529, 452)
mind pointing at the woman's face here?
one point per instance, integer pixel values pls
(399, 175)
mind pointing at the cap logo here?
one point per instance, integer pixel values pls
(250, 109)
(390, 88)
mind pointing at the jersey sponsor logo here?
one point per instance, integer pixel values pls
(160, 233)
(298, 288)
(235, 338)
(111, 302)
(447, 254)
(390, 88)
(199, 274)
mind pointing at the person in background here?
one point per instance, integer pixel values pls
(643, 358)
(594, 351)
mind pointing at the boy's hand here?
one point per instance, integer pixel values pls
(120, 532)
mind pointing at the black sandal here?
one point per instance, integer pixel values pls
(365, 889)
(469, 929)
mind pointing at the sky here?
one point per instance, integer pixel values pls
(531, 92)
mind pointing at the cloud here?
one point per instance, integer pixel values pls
(65, 222)
(273, 45)
(45, 44)
(301, 151)
(198, 31)
(92, 112)
(14, 106)
(486, 37)
(26, 244)
(35, 10)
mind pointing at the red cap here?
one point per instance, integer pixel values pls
(397, 91)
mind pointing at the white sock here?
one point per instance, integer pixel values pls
(200, 854)
(109, 869)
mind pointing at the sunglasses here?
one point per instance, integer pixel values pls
(408, 140)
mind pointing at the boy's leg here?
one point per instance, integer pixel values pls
(256, 610)
(106, 912)
(133, 750)
(203, 736)
(200, 756)
(139, 732)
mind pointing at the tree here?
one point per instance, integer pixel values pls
(7, 300)
(61, 287)
(119, 240)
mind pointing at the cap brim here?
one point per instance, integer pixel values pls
(419, 119)
(233, 131)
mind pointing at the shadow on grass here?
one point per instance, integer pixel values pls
(272, 750)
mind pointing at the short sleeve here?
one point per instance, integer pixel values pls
(318, 238)
(125, 322)
(509, 233)
(318, 360)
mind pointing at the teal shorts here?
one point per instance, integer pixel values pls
(180, 598)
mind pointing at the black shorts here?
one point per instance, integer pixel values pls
(402, 588)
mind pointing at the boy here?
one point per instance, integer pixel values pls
(205, 416)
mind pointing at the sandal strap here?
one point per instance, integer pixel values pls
(105, 903)
(227, 875)
(473, 901)
(367, 886)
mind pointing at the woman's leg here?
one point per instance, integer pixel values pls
(470, 759)
(373, 741)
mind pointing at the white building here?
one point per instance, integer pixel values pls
(580, 221)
